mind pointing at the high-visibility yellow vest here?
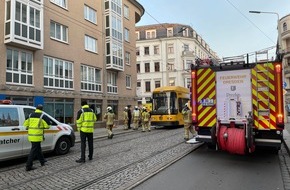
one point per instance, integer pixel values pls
(36, 123)
(86, 119)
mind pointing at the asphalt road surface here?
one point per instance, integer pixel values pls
(206, 169)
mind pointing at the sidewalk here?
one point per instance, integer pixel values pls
(286, 137)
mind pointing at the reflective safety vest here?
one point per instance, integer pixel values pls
(86, 119)
(136, 113)
(35, 124)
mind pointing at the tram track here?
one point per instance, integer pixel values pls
(74, 167)
(71, 153)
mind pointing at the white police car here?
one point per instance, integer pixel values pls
(14, 142)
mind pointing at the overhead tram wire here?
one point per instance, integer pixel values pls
(249, 20)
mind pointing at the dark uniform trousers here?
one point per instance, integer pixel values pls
(35, 152)
(85, 136)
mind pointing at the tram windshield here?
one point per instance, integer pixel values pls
(164, 103)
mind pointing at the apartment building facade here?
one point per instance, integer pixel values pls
(284, 35)
(59, 52)
(164, 55)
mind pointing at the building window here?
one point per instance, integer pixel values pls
(62, 109)
(90, 14)
(170, 48)
(27, 24)
(157, 66)
(185, 47)
(188, 64)
(137, 51)
(126, 35)
(112, 83)
(169, 32)
(157, 84)
(187, 82)
(147, 86)
(138, 67)
(19, 67)
(90, 44)
(61, 3)
(58, 32)
(284, 26)
(138, 84)
(147, 67)
(127, 57)
(96, 106)
(58, 73)
(146, 50)
(91, 79)
(128, 81)
(126, 12)
(150, 34)
(156, 50)
(137, 36)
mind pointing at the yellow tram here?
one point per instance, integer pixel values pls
(167, 105)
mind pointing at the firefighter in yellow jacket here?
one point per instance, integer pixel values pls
(109, 117)
(86, 119)
(145, 120)
(186, 112)
(35, 124)
(126, 118)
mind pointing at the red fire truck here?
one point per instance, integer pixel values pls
(237, 106)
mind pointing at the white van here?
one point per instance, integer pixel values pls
(14, 142)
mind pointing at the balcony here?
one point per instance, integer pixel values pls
(286, 52)
(114, 63)
(26, 29)
(285, 35)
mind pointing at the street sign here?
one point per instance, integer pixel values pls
(284, 91)
(284, 84)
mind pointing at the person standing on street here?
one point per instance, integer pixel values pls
(86, 119)
(126, 118)
(145, 120)
(186, 112)
(35, 124)
(129, 116)
(136, 118)
(109, 117)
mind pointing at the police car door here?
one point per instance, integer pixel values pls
(11, 132)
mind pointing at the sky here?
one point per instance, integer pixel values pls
(226, 25)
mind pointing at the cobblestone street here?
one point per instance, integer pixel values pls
(117, 164)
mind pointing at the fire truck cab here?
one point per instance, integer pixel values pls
(237, 106)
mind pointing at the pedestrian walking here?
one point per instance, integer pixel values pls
(109, 117)
(126, 118)
(136, 118)
(129, 116)
(145, 120)
(186, 112)
(86, 119)
(35, 124)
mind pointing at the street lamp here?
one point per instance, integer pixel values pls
(278, 19)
